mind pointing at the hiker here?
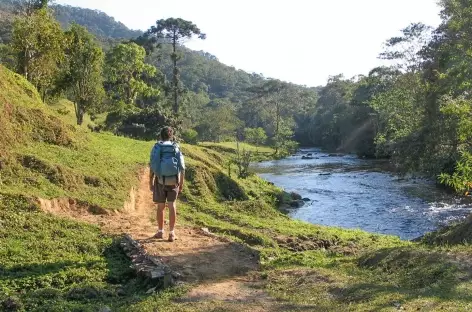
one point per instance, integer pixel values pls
(166, 179)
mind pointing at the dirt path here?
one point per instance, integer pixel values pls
(222, 273)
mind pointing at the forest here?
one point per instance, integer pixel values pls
(416, 112)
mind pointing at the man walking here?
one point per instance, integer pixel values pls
(166, 179)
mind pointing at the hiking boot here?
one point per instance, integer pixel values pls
(159, 235)
(172, 237)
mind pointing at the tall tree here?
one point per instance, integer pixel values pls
(38, 42)
(175, 31)
(82, 77)
(406, 49)
(126, 71)
(277, 99)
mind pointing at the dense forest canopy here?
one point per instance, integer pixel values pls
(415, 112)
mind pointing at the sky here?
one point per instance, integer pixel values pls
(300, 41)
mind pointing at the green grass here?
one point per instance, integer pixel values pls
(259, 153)
(51, 264)
(65, 109)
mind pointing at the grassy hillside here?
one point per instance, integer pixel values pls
(48, 263)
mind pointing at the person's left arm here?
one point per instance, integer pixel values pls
(151, 172)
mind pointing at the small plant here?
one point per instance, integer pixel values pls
(63, 111)
(461, 179)
(242, 160)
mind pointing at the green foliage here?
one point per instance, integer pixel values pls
(190, 136)
(174, 31)
(126, 71)
(220, 124)
(242, 159)
(461, 179)
(82, 77)
(276, 99)
(7, 56)
(256, 136)
(417, 112)
(38, 42)
(144, 124)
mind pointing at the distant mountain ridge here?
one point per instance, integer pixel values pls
(97, 22)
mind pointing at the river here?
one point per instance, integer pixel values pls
(354, 193)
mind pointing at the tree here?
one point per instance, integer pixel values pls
(406, 50)
(219, 124)
(83, 77)
(277, 100)
(174, 31)
(256, 136)
(37, 41)
(125, 72)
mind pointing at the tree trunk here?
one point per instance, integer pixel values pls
(80, 117)
(25, 65)
(277, 127)
(79, 113)
(176, 77)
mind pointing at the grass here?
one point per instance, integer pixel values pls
(52, 264)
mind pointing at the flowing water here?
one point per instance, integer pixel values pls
(349, 192)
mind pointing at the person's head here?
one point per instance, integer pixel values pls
(167, 134)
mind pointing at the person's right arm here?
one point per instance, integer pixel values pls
(182, 172)
(151, 180)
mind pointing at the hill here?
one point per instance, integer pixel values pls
(60, 251)
(97, 22)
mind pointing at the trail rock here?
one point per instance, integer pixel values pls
(306, 199)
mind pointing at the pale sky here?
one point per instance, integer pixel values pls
(301, 41)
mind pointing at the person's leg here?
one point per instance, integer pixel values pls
(160, 200)
(172, 215)
(172, 203)
(160, 216)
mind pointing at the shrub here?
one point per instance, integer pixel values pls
(190, 136)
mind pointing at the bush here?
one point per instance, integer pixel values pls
(190, 136)
(142, 124)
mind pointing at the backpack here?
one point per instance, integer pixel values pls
(167, 166)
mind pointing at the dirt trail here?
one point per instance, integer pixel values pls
(222, 273)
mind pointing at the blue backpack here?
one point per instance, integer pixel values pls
(165, 161)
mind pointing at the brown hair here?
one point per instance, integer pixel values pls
(167, 134)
